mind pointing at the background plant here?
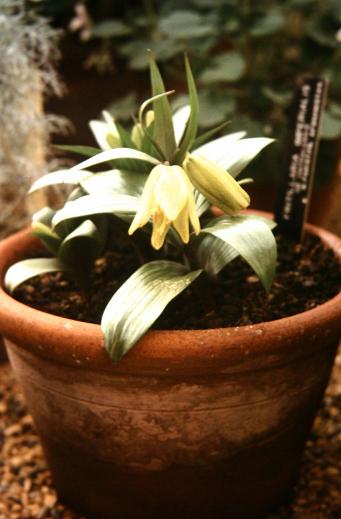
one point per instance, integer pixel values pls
(164, 179)
(246, 55)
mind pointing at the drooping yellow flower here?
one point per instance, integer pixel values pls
(168, 199)
(216, 184)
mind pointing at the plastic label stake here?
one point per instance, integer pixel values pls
(294, 198)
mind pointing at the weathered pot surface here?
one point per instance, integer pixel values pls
(203, 423)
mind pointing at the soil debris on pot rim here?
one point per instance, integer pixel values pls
(307, 275)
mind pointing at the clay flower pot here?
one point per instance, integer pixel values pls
(204, 423)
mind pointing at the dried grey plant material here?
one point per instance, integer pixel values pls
(28, 56)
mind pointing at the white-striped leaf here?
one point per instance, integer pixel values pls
(44, 215)
(29, 268)
(180, 118)
(211, 253)
(41, 228)
(207, 136)
(90, 205)
(252, 238)
(201, 202)
(140, 301)
(116, 154)
(62, 176)
(50, 239)
(238, 155)
(80, 249)
(115, 181)
(216, 149)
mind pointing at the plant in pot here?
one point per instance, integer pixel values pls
(195, 417)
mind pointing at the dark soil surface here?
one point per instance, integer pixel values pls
(26, 486)
(307, 275)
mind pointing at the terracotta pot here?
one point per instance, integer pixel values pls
(205, 423)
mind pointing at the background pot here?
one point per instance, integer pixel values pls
(190, 424)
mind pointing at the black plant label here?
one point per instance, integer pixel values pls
(294, 197)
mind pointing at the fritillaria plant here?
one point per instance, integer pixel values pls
(162, 178)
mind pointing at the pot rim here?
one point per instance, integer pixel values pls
(80, 343)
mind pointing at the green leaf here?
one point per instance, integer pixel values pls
(281, 98)
(80, 249)
(185, 24)
(147, 146)
(110, 29)
(323, 31)
(216, 149)
(127, 142)
(88, 151)
(201, 202)
(49, 238)
(211, 253)
(163, 50)
(206, 136)
(90, 205)
(192, 124)
(330, 126)
(41, 228)
(335, 109)
(62, 176)
(252, 238)
(29, 268)
(227, 67)
(140, 301)
(231, 152)
(241, 152)
(44, 215)
(215, 108)
(271, 22)
(115, 155)
(124, 107)
(163, 125)
(115, 182)
(76, 193)
(146, 129)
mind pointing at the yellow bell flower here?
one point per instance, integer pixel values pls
(168, 199)
(216, 184)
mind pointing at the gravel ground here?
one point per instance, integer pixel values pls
(27, 492)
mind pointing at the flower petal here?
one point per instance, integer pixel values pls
(148, 202)
(171, 191)
(181, 224)
(161, 227)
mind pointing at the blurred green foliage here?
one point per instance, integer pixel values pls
(246, 55)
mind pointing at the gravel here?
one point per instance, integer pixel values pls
(27, 492)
